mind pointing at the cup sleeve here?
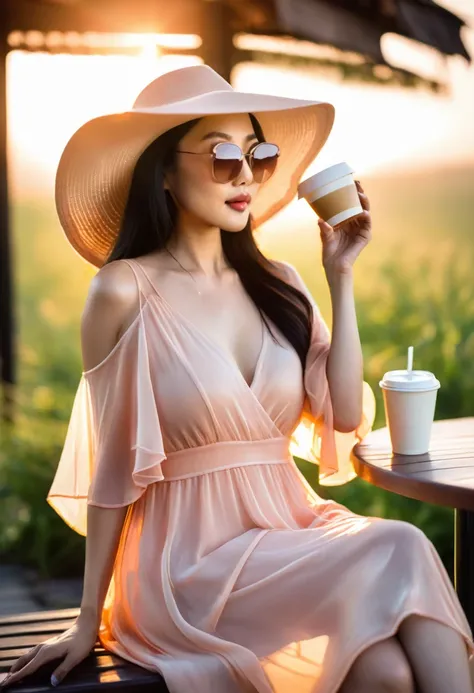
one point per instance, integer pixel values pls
(315, 439)
(114, 447)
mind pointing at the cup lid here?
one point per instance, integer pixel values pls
(323, 177)
(409, 381)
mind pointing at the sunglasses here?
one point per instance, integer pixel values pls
(228, 159)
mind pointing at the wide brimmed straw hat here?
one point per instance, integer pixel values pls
(95, 170)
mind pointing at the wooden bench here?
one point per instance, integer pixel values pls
(101, 671)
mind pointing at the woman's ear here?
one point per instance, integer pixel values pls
(168, 181)
(167, 189)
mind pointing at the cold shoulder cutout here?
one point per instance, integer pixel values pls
(315, 438)
(113, 448)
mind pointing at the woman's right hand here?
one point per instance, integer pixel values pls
(73, 646)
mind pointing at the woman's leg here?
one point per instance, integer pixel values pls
(437, 654)
(381, 668)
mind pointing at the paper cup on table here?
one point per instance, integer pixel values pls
(410, 402)
(332, 194)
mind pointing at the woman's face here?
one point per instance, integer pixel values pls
(201, 201)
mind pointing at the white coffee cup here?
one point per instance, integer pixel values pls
(332, 194)
(410, 402)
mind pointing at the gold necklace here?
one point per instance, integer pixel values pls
(184, 268)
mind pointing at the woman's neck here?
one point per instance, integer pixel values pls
(201, 253)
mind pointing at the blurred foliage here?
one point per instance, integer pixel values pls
(50, 291)
(413, 286)
(30, 531)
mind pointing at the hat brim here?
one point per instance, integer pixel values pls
(96, 167)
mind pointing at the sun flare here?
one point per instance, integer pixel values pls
(376, 129)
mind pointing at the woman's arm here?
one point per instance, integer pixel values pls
(340, 249)
(104, 527)
(344, 367)
(110, 307)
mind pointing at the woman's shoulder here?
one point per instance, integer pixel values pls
(113, 290)
(111, 275)
(111, 307)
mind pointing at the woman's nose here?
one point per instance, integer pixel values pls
(245, 175)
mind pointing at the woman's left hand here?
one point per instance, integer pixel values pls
(342, 246)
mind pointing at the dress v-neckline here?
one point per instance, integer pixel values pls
(211, 342)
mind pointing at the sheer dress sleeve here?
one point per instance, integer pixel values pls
(113, 448)
(315, 438)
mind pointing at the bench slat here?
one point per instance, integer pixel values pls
(14, 653)
(36, 628)
(37, 616)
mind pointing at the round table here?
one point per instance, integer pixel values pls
(444, 476)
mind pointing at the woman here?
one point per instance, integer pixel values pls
(208, 556)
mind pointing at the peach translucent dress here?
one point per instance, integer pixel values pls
(232, 573)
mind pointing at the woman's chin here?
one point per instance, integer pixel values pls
(232, 221)
(235, 224)
(233, 229)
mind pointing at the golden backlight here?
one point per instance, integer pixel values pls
(376, 129)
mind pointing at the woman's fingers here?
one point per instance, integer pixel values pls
(364, 200)
(71, 647)
(65, 667)
(29, 668)
(20, 663)
(42, 656)
(24, 659)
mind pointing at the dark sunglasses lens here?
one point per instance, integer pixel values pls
(227, 162)
(264, 161)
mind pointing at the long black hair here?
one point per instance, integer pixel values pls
(148, 223)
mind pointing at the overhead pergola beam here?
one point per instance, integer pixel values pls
(109, 16)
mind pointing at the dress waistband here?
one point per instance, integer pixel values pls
(212, 458)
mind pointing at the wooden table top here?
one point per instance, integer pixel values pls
(445, 475)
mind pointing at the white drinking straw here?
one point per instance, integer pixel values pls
(410, 359)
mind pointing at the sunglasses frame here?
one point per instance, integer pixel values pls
(249, 157)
